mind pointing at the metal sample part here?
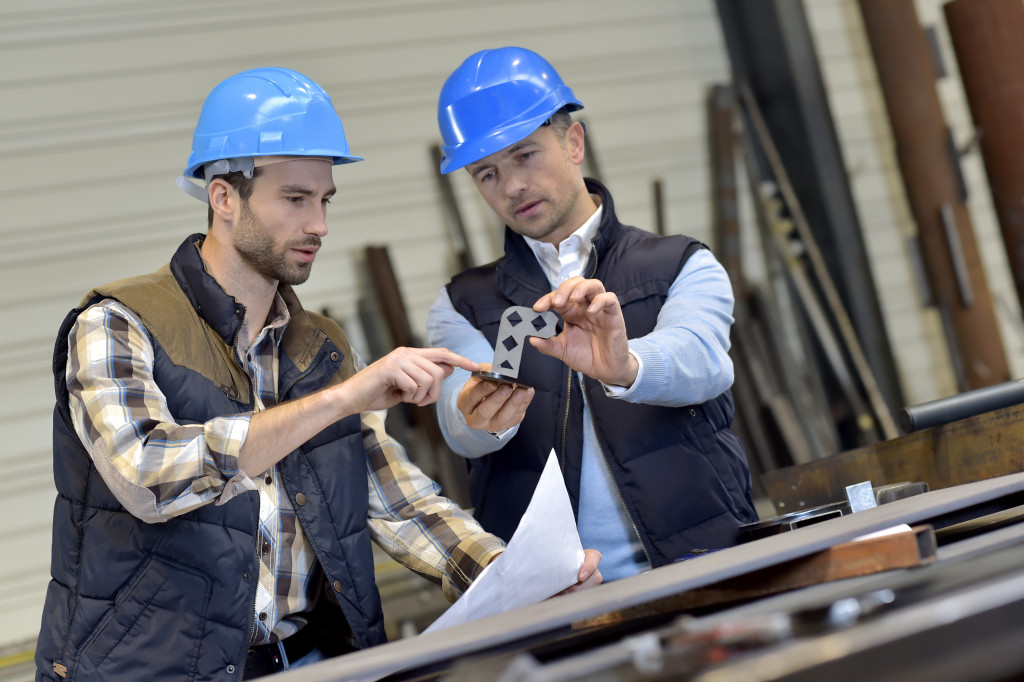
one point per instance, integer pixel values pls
(517, 323)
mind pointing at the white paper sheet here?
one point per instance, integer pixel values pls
(543, 557)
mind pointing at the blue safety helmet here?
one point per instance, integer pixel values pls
(267, 112)
(495, 99)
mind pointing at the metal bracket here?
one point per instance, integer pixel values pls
(517, 323)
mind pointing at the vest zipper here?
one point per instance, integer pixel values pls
(593, 251)
(615, 483)
(600, 447)
(565, 420)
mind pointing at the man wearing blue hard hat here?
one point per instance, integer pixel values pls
(633, 393)
(219, 452)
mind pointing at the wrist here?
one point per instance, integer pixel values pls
(629, 376)
(338, 402)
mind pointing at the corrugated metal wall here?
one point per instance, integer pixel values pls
(99, 100)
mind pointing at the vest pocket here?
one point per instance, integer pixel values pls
(156, 622)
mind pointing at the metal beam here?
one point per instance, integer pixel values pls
(771, 48)
(906, 73)
(987, 38)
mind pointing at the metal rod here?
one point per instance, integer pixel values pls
(886, 423)
(460, 242)
(659, 208)
(968, 404)
(956, 254)
(986, 37)
(906, 74)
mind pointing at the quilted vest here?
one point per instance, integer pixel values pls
(176, 600)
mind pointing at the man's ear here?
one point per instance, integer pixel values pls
(574, 137)
(224, 200)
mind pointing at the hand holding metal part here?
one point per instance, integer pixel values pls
(593, 340)
(517, 323)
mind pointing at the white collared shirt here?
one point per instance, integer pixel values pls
(569, 258)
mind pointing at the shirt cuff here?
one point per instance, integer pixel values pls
(622, 391)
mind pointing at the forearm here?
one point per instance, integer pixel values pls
(685, 359)
(275, 432)
(414, 523)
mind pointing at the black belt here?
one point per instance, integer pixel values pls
(265, 659)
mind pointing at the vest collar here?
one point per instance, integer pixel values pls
(219, 310)
(302, 339)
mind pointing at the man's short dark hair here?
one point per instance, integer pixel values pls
(242, 185)
(560, 122)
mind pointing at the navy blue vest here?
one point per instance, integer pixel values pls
(176, 600)
(681, 473)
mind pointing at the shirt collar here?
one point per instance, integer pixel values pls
(277, 320)
(570, 256)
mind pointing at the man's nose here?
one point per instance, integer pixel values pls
(318, 223)
(515, 183)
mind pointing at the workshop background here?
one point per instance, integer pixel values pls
(100, 99)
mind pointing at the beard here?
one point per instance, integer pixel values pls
(257, 248)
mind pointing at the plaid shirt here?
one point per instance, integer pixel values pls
(159, 469)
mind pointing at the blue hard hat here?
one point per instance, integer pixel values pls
(495, 99)
(267, 112)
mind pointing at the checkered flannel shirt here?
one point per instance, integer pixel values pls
(159, 469)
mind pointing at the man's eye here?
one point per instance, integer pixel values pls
(525, 155)
(295, 200)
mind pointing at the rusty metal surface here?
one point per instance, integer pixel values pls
(906, 73)
(986, 36)
(972, 449)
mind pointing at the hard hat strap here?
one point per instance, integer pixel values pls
(212, 170)
(225, 166)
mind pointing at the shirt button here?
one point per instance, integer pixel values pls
(230, 669)
(268, 479)
(263, 616)
(335, 356)
(266, 547)
(300, 499)
(245, 576)
(693, 412)
(336, 585)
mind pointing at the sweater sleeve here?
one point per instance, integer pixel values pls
(446, 328)
(685, 359)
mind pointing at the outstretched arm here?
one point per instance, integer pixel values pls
(159, 468)
(411, 375)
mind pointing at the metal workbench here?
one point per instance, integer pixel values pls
(493, 640)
